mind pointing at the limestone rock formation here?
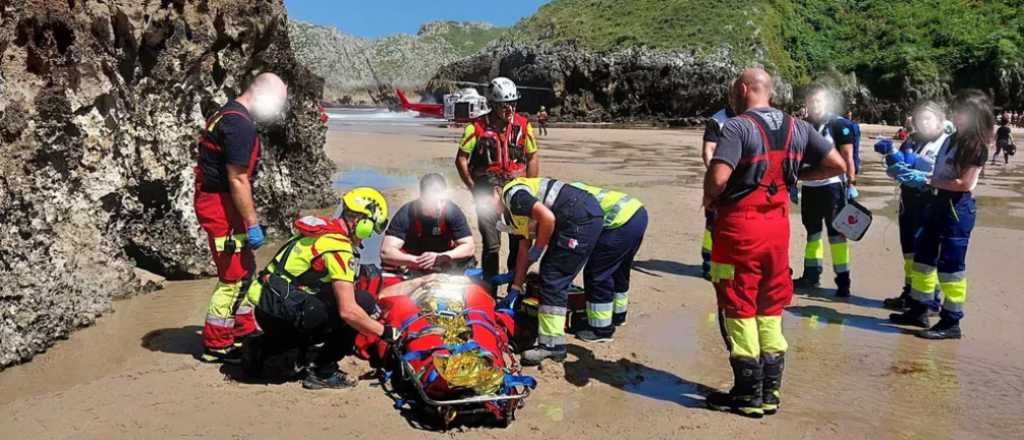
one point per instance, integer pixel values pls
(100, 105)
(676, 87)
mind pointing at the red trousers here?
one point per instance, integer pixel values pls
(750, 261)
(228, 315)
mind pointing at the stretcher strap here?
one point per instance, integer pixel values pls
(453, 349)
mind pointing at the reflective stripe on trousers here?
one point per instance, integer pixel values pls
(551, 325)
(600, 315)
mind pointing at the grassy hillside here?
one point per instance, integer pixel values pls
(465, 38)
(918, 46)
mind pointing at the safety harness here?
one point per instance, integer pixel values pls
(211, 172)
(773, 169)
(500, 154)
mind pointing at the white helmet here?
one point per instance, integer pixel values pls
(502, 90)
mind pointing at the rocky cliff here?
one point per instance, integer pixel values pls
(373, 66)
(622, 86)
(100, 104)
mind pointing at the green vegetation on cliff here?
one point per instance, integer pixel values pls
(914, 47)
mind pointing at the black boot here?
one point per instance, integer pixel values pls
(745, 397)
(619, 319)
(810, 280)
(772, 364)
(915, 316)
(945, 329)
(327, 377)
(843, 285)
(899, 303)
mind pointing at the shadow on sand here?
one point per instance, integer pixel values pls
(634, 378)
(654, 267)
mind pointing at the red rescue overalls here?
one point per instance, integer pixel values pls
(228, 315)
(750, 259)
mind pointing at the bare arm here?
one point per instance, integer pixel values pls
(832, 165)
(462, 165)
(707, 152)
(715, 179)
(846, 150)
(241, 194)
(521, 263)
(533, 165)
(545, 224)
(464, 248)
(964, 183)
(391, 253)
(351, 313)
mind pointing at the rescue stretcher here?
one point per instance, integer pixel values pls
(455, 357)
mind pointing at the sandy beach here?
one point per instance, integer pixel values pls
(850, 374)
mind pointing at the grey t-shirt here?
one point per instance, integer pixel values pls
(742, 139)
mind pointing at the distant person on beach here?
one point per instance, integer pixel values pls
(542, 121)
(428, 235)
(759, 156)
(940, 251)
(1004, 141)
(229, 151)
(498, 146)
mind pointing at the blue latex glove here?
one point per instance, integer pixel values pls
(884, 147)
(534, 254)
(852, 193)
(255, 236)
(915, 179)
(502, 278)
(794, 194)
(508, 303)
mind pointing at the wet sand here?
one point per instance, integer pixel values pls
(850, 374)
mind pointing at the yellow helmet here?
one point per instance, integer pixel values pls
(371, 204)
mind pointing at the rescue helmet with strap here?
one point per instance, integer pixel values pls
(371, 207)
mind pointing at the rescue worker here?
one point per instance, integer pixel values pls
(760, 155)
(712, 132)
(821, 200)
(429, 234)
(542, 120)
(229, 151)
(561, 222)
(497, 147)
(931, 132)
(306, 295)
(606, 275)
(940, 251)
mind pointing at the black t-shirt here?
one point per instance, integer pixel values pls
(431, 238)
(1003, 135)
(713, 128)
(236, 136)
(522, 204)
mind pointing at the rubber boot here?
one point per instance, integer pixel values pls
(811, 279)
(843, 285)
(773, 365)
(252, 354)
(944, 329)
(746, 396)
(915, 316)
(536, 355)
(899, 303)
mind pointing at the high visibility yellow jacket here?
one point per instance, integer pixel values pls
(618, 206)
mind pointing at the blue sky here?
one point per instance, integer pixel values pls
(374, 18)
